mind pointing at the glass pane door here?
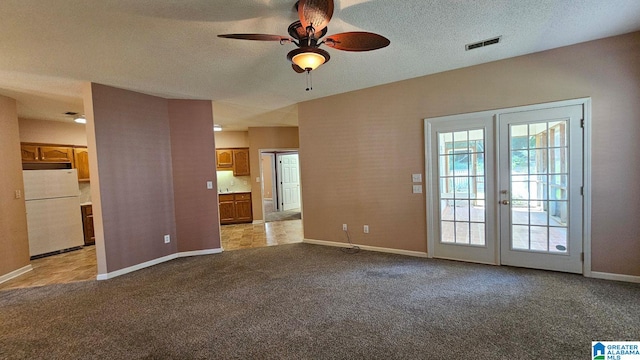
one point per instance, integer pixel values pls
(461, 152)
(540, 180)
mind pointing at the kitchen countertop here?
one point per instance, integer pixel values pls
(234, 192)
(85, 203)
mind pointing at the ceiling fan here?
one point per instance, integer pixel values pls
(307, 33)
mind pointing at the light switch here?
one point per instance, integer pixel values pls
(257, 179)
(417, 189)
(416, 178)
(18, 194)
(209, 185)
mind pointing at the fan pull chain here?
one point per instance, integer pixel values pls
(309, 80)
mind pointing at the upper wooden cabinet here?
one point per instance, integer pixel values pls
(233, 159)
(241, 162)
(48, 153)
(81, 162)
(52, 156)
(30, 152)
(56, 153)
(224, 159)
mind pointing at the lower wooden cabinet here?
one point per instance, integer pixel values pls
(235, 208)
(87, 224)
(227, 208)
(243, 207)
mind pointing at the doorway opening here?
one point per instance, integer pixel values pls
(280, 174)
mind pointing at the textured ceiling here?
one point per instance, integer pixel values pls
(169, 47)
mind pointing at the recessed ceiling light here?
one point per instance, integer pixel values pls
(80, 120)
(217, 127)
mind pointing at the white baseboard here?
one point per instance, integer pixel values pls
(367, 247)
(199, 252)
(616, 277)
(157, 261)
(15, 273)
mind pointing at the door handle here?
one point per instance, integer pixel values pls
(504, 202)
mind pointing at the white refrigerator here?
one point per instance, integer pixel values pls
(54, 219)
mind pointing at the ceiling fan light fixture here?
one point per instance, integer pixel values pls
(308, 58)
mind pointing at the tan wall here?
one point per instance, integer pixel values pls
(14, 242)
(150, 160)
(193, 163)
(364, 145)
(231, 139)
(267, 138)
(53, 132)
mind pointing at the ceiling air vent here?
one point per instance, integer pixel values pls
(71, 113)
(483, 43)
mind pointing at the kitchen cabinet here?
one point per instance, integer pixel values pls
(227, 208)
(52, 156)
(87, 224)
(81, 162)
(243, 207)
(46, 153)
(241, 162)
(233, 159)
(235, 208)
(29, 152)
(56, 153)
(224, 159)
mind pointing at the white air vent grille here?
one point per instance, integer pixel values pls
(482, 43)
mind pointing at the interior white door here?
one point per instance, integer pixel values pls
(540, 181)
(289, 181)
(462, 224)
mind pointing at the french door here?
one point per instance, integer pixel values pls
(463, 225)
(506, 187)
(540, 188)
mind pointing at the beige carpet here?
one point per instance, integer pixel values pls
(304, 301)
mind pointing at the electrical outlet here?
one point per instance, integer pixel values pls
(209, 185)
(416, 178)
(18, 194)
(167, 239)
(366, 229)
(344, 227)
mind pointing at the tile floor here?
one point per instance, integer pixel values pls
(244, 236)
(80, 265)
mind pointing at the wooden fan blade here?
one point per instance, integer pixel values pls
(259, 37)
(357, 41)
(316, 13)
(297, 68)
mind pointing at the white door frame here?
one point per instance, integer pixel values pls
(586, 218)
